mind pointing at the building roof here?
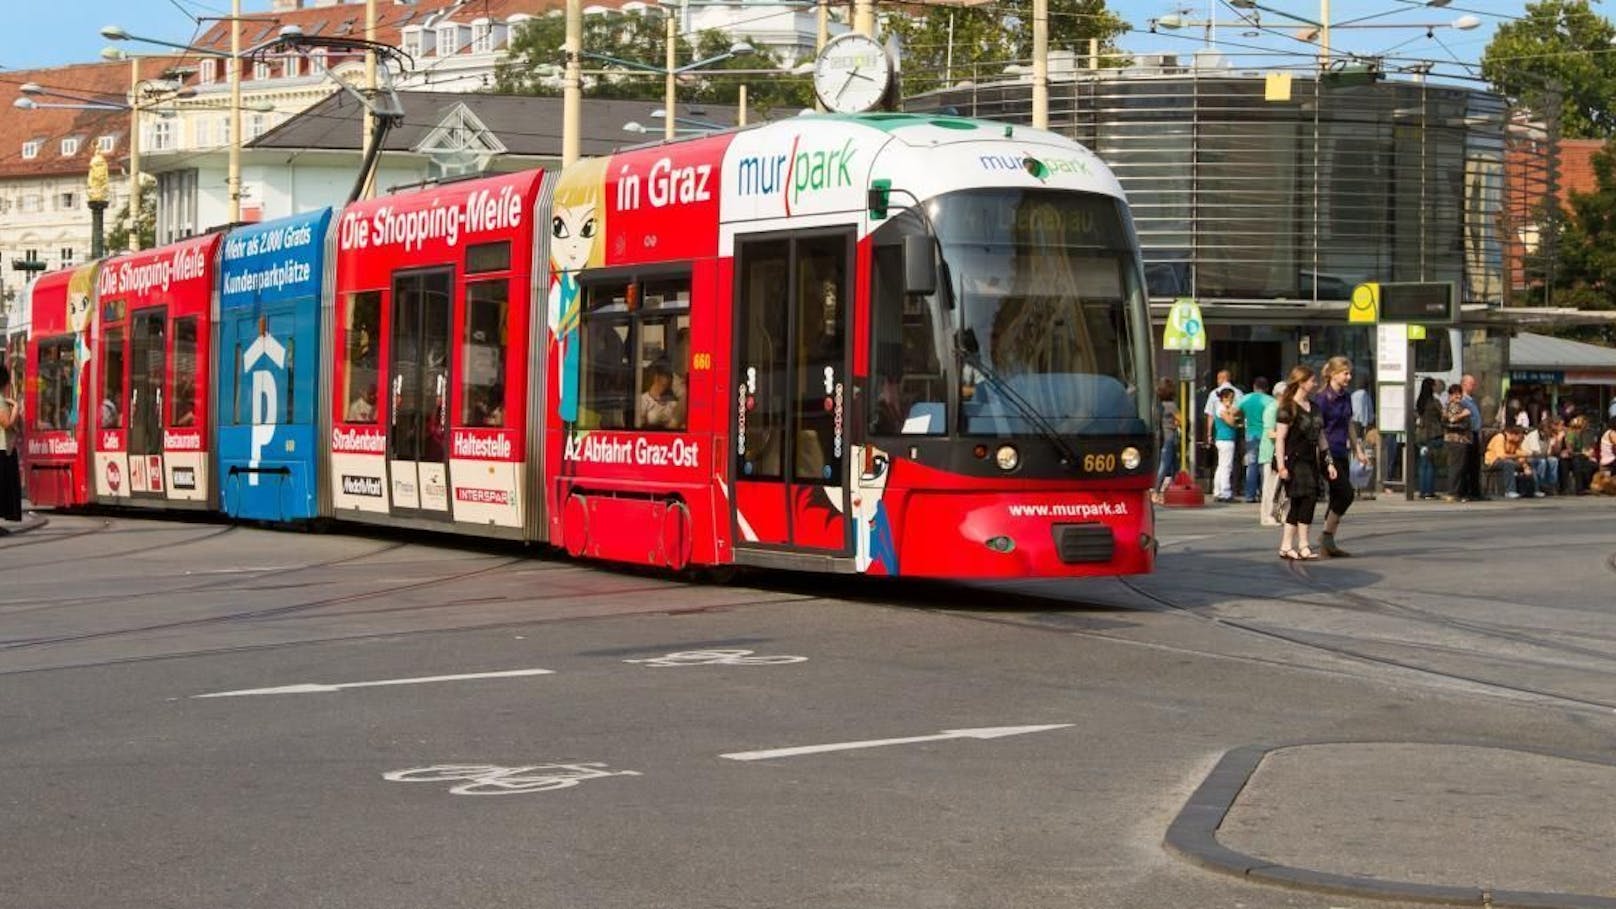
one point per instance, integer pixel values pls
(347, 20)
(526, 125)
(50, 125)
(1529, 351)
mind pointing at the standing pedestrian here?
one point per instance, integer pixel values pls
(1251, 408)
(1300, 447)
(1266, 514)
(10, 474)
(1457, 439)
(1224, 430)
(1172, 437)
(1472, 462)
(1428, 434)
(1334, 403)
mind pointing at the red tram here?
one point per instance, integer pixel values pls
(885, 344)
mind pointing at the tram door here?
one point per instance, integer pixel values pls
(148, 376)
(791, 388)
(418, 388)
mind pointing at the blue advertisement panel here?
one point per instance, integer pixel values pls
(272, 285)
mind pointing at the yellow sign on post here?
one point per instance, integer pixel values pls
(1185, 329)
(1365, 306)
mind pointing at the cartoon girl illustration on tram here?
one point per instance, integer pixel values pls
(577, 232)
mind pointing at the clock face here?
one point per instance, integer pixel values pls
(853, 74)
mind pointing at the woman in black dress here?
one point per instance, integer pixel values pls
(1299, 445)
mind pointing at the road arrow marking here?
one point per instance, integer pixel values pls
(991, 732)
(318, 688)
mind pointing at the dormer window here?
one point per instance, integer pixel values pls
(318, 58)
(412, 41)
(30, 149)
(448, 40)
(70, 146)
(210, 70)
(106, 145)
(482, 37)
(289, 67)
(261, 70)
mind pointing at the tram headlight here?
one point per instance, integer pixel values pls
(1007, 457)
(1130, 458)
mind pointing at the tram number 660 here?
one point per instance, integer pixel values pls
(1099, 463)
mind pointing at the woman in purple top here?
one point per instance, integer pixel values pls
(1334, 404)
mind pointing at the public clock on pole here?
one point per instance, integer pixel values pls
(853, 74)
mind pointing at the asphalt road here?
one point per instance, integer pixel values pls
(198, 715)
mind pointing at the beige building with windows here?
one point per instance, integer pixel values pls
(45, 155)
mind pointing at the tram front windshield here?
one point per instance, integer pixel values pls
(1048, 320)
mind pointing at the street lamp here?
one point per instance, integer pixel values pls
(233, 174)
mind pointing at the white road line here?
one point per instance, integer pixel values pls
(319, 688)
(991, 732)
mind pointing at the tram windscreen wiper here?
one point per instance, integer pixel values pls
(965, 350)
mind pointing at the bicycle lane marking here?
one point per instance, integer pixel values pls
(491, 779)
(717, 658)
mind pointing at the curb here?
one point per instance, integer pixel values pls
(1193, 835)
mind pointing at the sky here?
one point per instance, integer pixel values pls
(55, 32)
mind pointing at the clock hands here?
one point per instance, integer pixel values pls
(851, 74)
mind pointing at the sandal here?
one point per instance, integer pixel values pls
(1305, 554)
(1290, 554)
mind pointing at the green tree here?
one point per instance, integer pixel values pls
(945, 44)
(118, 232)
(1585, 275)
(533, 66)
(1563, 46)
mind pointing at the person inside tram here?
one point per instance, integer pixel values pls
(363, 408)
(658, 407)
(364, 355)
(490, 407)
(185, 404)
(110, 418)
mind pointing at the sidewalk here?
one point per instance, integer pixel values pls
(1442, 822)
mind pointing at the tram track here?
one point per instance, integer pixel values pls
(1296, 638)
(140, 550)
(526, 622)
(235, 579)
(255, 614)
(36, 538)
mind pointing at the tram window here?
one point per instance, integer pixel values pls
(760, 374)
(183, 392)
(482, 389)
(359, 364)
(147, 380)
(662, 357)
(636, 356)
(608, 375)
(486, 257)
(821, 334)
(55, 372)
(907, 391)
(666, 293)
(235, 388)
(111, 416)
